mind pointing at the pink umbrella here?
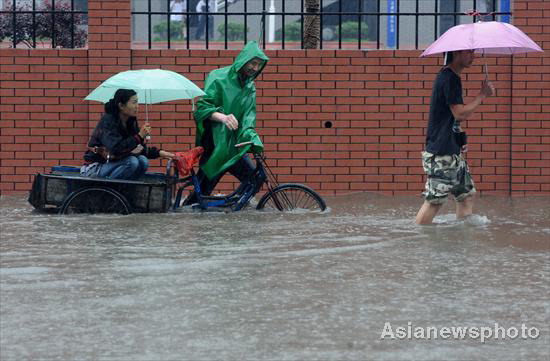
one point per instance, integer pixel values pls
(490, 37)
(485, 37)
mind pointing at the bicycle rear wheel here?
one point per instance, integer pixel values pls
(289, 197)
(95, 200)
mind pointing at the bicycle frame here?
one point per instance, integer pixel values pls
(234, 201)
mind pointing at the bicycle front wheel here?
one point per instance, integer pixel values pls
(289, 197)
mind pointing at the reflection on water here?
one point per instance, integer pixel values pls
(254, 285)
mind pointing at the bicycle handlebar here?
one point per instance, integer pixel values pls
(257, 155)
(243, 144)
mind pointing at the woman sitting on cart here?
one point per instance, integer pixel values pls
(118, 146)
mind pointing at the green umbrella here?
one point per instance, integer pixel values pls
(151, 85)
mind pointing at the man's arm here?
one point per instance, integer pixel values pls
(229, 120)
(210, 103)
(464, 111)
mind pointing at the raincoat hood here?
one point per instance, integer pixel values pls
(249, 52)
(227, 93)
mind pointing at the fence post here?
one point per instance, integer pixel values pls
(271, 22)
(392, 8)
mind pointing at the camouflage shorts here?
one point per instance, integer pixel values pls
(447, 174)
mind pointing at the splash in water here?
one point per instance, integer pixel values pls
(471, 220)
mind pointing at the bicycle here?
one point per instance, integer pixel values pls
(281, 197)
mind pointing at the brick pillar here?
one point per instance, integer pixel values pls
(109, 45)
(531, 102)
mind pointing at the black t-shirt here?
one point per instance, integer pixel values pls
(447, 91)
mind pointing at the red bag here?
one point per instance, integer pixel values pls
(185, 161)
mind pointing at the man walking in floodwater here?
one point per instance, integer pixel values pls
(447, 171)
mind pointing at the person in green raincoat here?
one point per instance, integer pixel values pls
(225, 117)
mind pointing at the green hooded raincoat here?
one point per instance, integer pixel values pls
(228, 94)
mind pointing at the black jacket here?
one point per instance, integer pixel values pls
(119, 140)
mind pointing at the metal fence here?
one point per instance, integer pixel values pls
(54, 23)
(358, 24)
(385, 20)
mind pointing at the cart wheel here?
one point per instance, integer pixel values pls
(95, 200)
(288, 197)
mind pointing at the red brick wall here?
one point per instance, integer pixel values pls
(377, 102)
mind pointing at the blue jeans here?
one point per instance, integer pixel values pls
(131, 167)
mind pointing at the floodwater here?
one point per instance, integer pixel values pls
(269, 286)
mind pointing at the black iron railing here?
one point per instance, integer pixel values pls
(57, 21)
(446, 13)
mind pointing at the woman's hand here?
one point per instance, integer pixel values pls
(138, 149)
(145, 130)
(165, 154)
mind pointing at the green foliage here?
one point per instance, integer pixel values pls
(235, 31)
(292, 32)
(350, 30)
(177, 29)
